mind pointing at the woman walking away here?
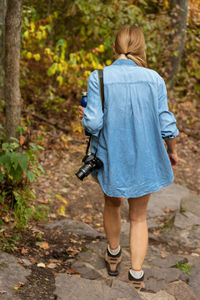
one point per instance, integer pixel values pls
(130, 130)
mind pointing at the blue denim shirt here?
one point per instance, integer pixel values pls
(131, 129)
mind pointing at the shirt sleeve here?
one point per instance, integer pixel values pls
(166, 118)
(93, 114)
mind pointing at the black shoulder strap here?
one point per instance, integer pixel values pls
(100, 73)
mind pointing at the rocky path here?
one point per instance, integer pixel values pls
(174, 247)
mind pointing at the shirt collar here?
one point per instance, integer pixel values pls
(123, 61)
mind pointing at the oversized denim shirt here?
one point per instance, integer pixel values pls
(128, 135)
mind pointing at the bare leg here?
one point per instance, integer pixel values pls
(138, 230)
(112, 220)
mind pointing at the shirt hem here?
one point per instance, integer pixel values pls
(139, 194)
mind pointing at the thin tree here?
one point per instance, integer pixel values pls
(12, 66)
(2, 43)
(179, 11)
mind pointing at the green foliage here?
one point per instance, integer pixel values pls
(9, 242)
(17, 170)
(183, 267)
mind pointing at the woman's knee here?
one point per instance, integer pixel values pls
(138, 208)
(112, 201)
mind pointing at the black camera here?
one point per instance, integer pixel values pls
(91, 163)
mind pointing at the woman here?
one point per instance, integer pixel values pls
(130, 131)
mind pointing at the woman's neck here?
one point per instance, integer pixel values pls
(122, 56)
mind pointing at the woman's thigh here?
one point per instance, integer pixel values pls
(112, 201)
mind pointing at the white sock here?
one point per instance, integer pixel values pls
(136, 274)
(114, 251)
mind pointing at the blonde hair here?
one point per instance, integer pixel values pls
(130, 41)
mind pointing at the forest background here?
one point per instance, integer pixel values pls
(61, 42)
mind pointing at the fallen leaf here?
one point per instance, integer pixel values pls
(24, 251)
(43, 201)
(21, 283)
(166, 209)
(53, 216)
(51, 266)
(73, 241)
(2, 292)
(41, 265)
(163, 255)
(21, 140)
(6, 219)
(88, 206)
(71, 271)
(61, 210)
(62, 199)
(33, 260)
(44, 245)
(16, 288)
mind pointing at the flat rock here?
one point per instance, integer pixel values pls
(75, 288)
(169, 196)
(11, 273)
(188, 238)
(194, 280)
(169, 261)
(68, 225)
(186, 219)
(86, 270)
(161, 295)
(191, 203)
(156, 279)
(181, 291)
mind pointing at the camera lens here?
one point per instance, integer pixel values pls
(80, 174)
(84, 171)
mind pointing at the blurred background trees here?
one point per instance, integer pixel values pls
(63, 41)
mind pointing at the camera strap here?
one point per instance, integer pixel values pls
(101, 85)
(100, 73)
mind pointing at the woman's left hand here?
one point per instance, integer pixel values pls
(81, 111)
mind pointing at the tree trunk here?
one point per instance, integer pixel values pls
(179, 10)
(2, 44)
(12, 64)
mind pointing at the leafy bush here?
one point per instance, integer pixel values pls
(18, 168)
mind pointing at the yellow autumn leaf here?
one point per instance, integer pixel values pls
(36, 57)
(39, 35)
(60, 80)
(47, 51)
(16, 288)
(32, 24)
(29, 55)
(59, 197)
(26, 34)
(61, 210)
(108, 62)
(101, 48)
